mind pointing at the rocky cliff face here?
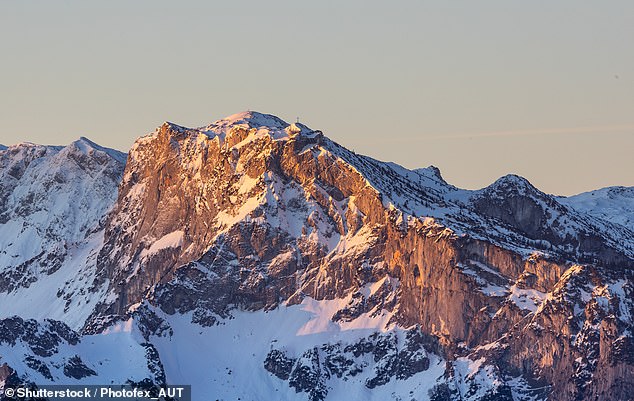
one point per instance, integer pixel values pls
(329, 267)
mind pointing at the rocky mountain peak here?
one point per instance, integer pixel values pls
(232, 132)
(433, 173)
(512, 183)
(253, 242)
(42, 180)
(86, 147)
(255, 124)
(435, 170)
(167, 125)
(252, 119)
(186, 188)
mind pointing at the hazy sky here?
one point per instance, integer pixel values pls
(544, 89)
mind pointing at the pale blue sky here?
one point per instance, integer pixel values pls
(544, 89)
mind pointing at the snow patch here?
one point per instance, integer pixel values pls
(171, 240)
(527, 299)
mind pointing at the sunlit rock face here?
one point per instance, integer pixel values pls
(331, 273)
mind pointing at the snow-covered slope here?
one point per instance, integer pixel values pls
(53, 201)
(614, 204)
(49, 352)
(296, 352)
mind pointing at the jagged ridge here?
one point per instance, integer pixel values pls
(216, 225)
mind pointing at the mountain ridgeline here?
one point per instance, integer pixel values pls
(255, 258)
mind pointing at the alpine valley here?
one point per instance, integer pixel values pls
(259, 260)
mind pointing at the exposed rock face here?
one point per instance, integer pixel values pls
(251, 212)
(389, 359)
(76, 368)
(42, 343)
(512, 292)
(36, 353)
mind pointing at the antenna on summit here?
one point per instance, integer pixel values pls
(297, 120)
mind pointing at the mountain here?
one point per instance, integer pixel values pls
(255, 258)
(614, 204)
(53, 201)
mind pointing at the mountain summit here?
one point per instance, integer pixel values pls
(255, 258)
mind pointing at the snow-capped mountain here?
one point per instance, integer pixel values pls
(615, 204)
(255, 258)
(53, 201)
